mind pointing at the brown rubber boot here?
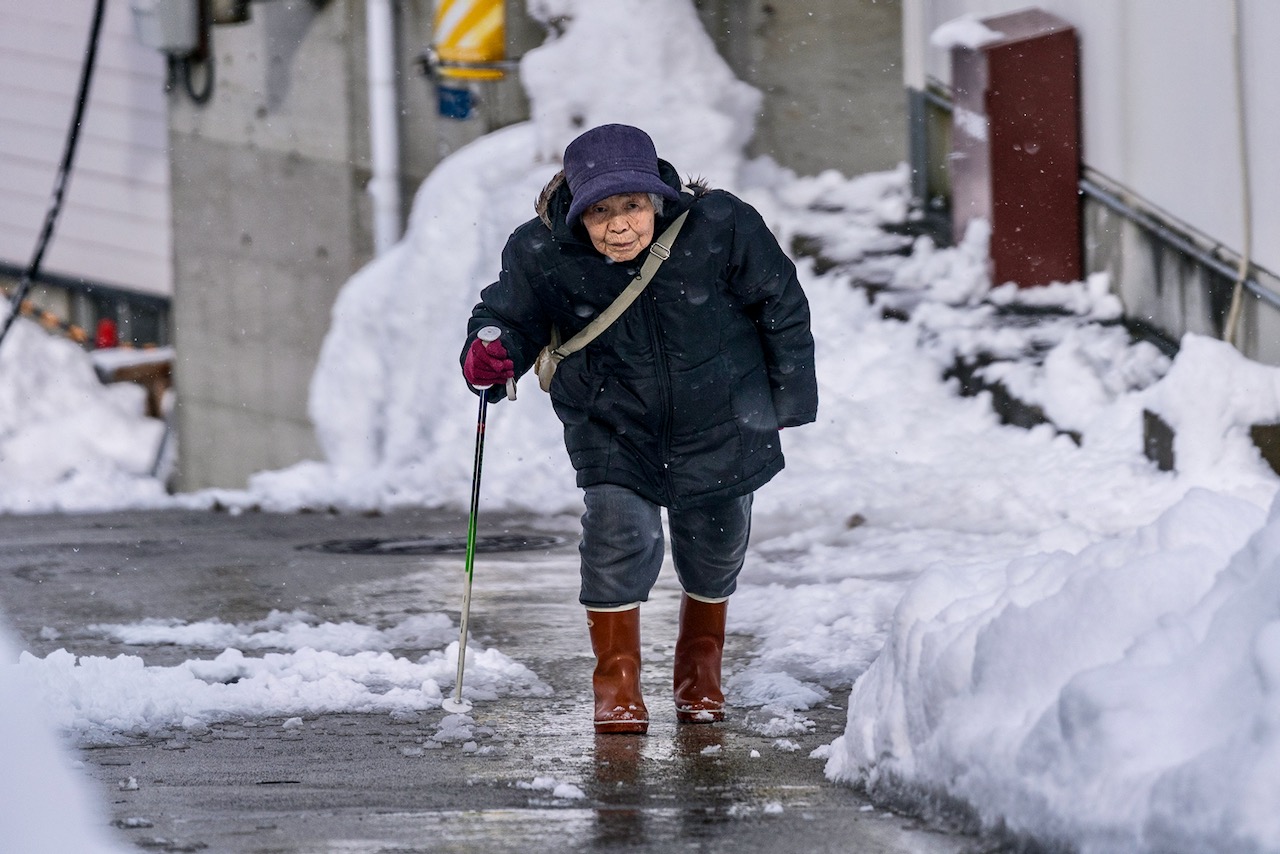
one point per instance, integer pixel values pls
(699, 648)
(615, 639)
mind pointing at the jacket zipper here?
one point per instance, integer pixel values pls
(664, 395)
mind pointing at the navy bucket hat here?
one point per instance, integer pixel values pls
(609, 160)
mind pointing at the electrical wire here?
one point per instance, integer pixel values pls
(64, 172)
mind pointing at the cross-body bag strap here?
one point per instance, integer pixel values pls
(658, 252)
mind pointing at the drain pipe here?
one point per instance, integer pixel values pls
(1246, 200)
(384, 127)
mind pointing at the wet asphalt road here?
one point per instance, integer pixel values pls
(367, 784)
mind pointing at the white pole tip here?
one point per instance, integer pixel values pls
(455, 706)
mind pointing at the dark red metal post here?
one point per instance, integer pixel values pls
(1016, 147)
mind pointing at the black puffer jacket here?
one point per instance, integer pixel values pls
(682, 397)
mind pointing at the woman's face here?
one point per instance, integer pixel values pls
(621, 226)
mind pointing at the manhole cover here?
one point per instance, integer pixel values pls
(436, 545)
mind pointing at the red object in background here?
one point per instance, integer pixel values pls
(1016, 147)
(106, 336)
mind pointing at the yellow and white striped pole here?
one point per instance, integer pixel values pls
(470, 39)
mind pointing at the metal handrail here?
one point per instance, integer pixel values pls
(1174, 239)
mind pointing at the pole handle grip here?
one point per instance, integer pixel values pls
(493, 333)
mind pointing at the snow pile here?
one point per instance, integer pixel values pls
(67, 442)
(294, 630)
(1058, 347)
(700, 116)
(1211, 397)
(47, 805)
(843, 216)
(1146, 718)
(326, 668)
(964, 31)
(956, 276)
(1087, 370)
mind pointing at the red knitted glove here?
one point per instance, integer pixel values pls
(487, 365)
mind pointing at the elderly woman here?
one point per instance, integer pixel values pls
(677, 404)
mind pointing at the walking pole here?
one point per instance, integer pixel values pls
(456, 704)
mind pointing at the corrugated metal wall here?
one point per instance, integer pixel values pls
(115, 227)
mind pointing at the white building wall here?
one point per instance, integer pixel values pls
(1159, 107)
(115, 224)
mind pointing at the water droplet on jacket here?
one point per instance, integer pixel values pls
(697, 294)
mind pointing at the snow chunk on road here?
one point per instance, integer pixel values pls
(557, 788)
(100, 699)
